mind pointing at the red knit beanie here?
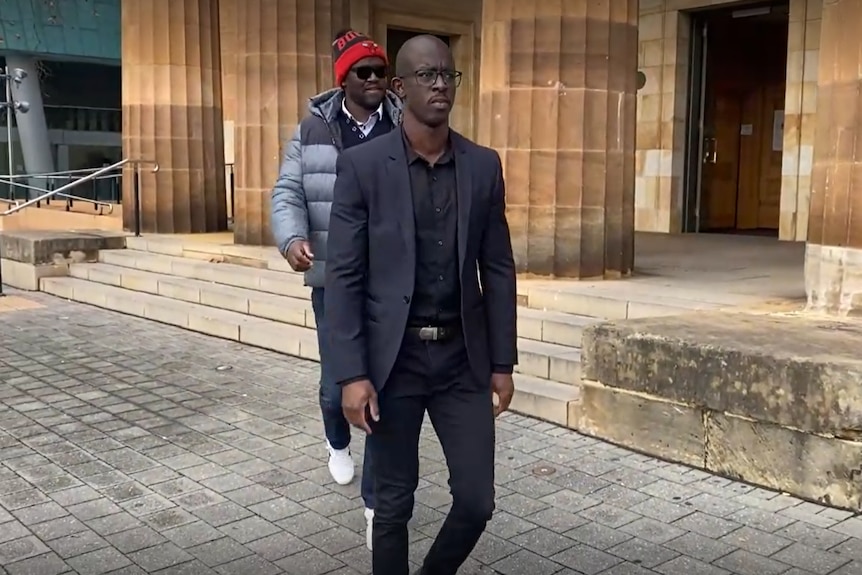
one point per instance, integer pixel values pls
(349, 48)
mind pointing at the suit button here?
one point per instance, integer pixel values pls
(407, 299)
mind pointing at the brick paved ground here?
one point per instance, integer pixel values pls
(127, 447)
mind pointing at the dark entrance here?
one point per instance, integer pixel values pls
(736, 119)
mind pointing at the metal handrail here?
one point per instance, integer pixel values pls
(101, 205)
(47, 175)
(70, 185)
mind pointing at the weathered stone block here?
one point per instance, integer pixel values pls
(28, 256)
(797, 371)
(651, 425)
(824, 469)
(51, 247)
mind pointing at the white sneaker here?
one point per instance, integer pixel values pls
(369, 526)
(341, 465)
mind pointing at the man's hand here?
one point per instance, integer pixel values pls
(504, 388)
(299, 256)
(357, 399)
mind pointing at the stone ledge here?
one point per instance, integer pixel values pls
(772, 400)
(27, 256)
(810, 466)
(795, 371)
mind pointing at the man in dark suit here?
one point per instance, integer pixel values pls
(418, 219)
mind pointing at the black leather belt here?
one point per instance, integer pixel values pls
(431, 333)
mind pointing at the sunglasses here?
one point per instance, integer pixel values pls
(365, 72)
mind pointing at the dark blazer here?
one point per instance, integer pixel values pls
(371, 263)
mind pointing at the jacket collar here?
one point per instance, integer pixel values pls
(327, 105)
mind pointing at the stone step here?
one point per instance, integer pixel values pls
(241, 276)
(552, 326)
(605, 300)
(256, 303)
(548, 400)
(628, 302)
(276, 336)
(535, 397)
(256, 291)
(263, 257)
(537, 358)
(559, 363)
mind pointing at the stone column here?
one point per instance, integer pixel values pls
(284, 57)
(557, 101)
(172, 113)
(833, 254)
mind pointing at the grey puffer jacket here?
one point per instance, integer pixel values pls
(302, 196)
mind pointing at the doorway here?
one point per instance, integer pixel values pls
(736, 119)
(395, 39)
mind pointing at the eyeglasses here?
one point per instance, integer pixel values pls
(429, 77)
(365, 72)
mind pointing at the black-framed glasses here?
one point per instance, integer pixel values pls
(365, 72)
(429, 77)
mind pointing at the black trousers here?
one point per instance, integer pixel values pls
(432, 376)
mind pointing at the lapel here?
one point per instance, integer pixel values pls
(464, 178)
(401, 197)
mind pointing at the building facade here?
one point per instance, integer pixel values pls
(610, 115)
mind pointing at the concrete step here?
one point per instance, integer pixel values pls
(255, 291)
(535, 397)
(294, 311)
(622, 302)
(539, 359)
(241, 276)
(547, 400)
(263, 257)
(242, 328)
(559, 363)
(552, 326)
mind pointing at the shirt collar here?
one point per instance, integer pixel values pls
(377, 114)
(412, 156)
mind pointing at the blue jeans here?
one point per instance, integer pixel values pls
(334, 424)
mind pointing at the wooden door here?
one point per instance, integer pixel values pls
(719, 180)
(760, 158)
(769, 196)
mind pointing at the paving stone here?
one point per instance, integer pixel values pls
(159, 557)
(699, 547)
(745, 563)
(586, 559)
(52, 529)
(220, 551)
(135, 539)
(278, 546)
(311, 561)
(21, 548)
(810, 559)
(99, 561)
(690, 566)
(77, 543)
(707, 525)
(643, 553)
(132, 455)
(45, 564)
(524, 561)
(114, 523)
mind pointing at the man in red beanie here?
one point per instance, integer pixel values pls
(358, 109)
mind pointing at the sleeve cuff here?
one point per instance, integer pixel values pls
(352, 380)
(504, 369)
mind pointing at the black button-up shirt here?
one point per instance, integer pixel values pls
(437, 293)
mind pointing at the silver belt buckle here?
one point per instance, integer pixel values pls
(428, 333)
